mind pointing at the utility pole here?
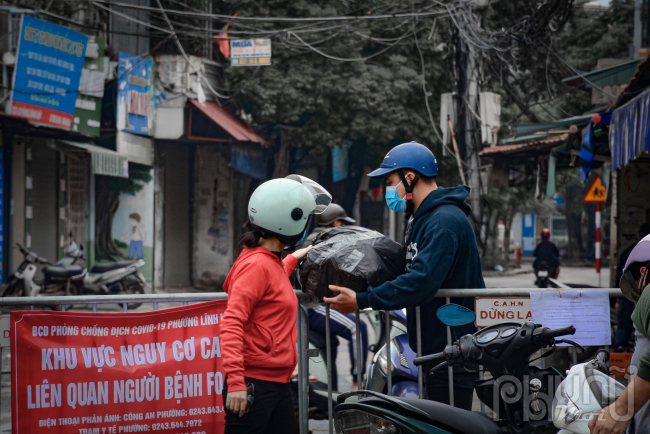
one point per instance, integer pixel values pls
(468, 125)
(638, 28)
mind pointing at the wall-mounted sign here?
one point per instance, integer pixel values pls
(48, 71)
(137, 149)
(136, 104)
(250, 52)
(88, 111)
(528, 234)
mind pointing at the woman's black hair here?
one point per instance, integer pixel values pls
(250, 239)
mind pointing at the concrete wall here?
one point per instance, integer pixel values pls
(213, 221)
(177, 217)
(633, 203)
(158, 220)
(45, 207)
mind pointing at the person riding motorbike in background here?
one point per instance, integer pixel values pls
(259, 330)
(633, 402)
(340, 325)
(547, 252)
(441, 252)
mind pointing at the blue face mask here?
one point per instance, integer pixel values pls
(393, 201)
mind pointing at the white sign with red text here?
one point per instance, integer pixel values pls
(495, 310)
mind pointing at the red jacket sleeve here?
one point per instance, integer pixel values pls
(290, 263)
(245, 291)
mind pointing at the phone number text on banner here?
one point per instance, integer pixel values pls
(101, 373)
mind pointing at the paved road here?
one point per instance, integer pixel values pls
(574, 275)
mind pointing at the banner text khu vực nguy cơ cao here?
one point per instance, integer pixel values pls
(97, 373)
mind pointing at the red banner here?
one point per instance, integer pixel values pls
(104, 373)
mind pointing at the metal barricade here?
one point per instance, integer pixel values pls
(23, 303)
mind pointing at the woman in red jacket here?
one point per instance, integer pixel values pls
(258, 331)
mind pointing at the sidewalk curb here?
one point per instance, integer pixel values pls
(517, 272)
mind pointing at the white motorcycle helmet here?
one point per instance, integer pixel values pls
(281, 207)
(584, 392)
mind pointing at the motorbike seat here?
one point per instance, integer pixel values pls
(63, 271)
(452, 419)
(103, 268)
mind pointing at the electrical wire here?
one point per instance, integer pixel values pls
(424, 87)
(269, 19)
(548, 86)
(187, 59)
(343, 59)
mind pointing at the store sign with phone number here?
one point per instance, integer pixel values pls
(98, 373)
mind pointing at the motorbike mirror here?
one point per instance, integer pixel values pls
(455, 315)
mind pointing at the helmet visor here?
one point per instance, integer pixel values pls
(321, 196)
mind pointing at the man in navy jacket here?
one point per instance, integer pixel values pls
(441, 252)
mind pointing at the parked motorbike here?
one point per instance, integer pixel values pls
(114, 278)
(66, 277)
(58, 279)
(404, 373)
(318, 400)
(504, 350)
(376, 320)
(575, 404)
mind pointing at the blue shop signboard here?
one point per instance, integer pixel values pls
(136, 105)
(528, 234)
(49, 61)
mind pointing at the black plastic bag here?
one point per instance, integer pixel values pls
(350, 256)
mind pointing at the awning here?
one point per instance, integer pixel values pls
(527, 129)
(628, 131)
(103, 161)
(237, 128)
(534, 143)
(612, 76)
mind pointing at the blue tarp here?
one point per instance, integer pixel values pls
(628, 132)
(248, 161)
(589, 146)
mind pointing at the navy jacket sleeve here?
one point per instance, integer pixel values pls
(419, 285)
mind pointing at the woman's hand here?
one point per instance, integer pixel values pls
(237, 401)
(300, 254)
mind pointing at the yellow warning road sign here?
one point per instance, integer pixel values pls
(596, 193)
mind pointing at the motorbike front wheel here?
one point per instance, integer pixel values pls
(133, 287)
(14, 289)
(75, 289)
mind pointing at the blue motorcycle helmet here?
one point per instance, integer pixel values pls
(413, 156)
(410, 155)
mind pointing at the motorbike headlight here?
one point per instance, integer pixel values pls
(565, 411)
(359, 422)
(383, 360)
